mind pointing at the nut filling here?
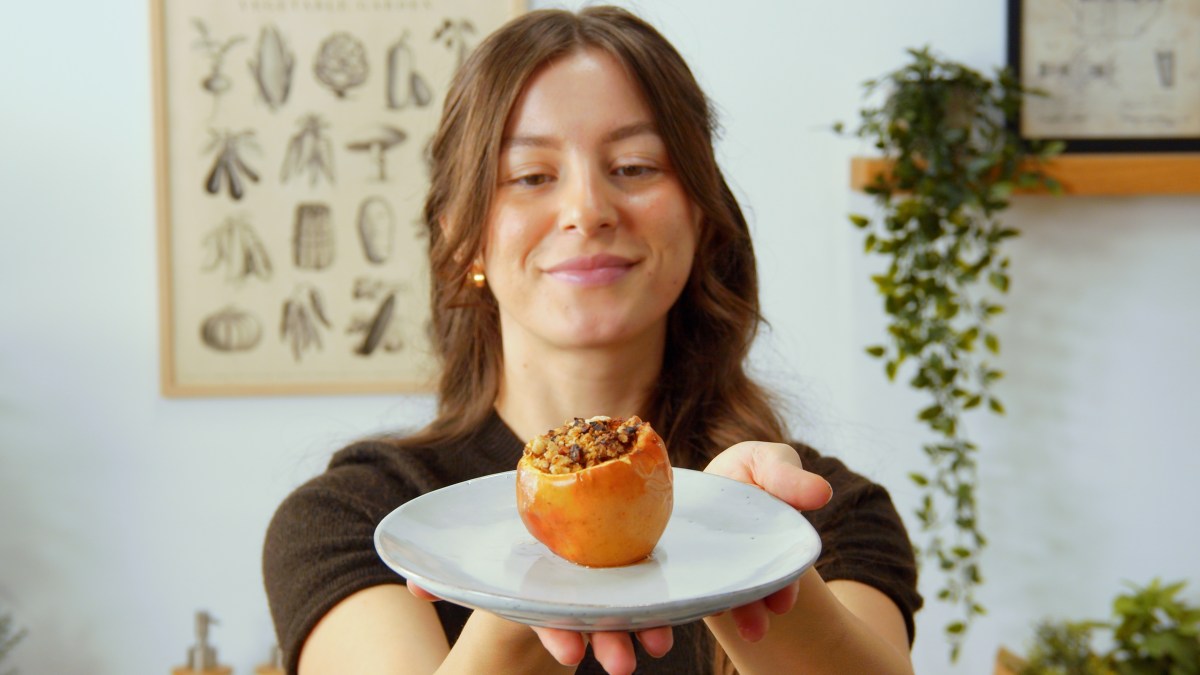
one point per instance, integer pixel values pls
(579, 443)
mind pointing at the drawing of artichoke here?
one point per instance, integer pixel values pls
(341, 63)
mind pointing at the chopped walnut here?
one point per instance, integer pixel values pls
(579, 443)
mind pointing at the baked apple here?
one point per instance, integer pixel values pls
(597, 492)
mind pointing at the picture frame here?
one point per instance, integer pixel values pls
(290, 142)
(1118, 76)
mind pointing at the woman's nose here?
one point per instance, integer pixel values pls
(587, 205)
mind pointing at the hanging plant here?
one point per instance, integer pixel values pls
(954, 163)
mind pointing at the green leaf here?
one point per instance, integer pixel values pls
(999, 280)
(890, 369)
(956, 627)
(859, 221)
(996, 406)
(919, 479)
(1052, 148)
(992, 343)
(877, 351)
(930, 412)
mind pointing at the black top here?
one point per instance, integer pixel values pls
(320, 546)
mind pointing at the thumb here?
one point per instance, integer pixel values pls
(776, 468)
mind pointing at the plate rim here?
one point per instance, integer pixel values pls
(553, 615)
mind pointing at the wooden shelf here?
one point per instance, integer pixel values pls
(1098, 174)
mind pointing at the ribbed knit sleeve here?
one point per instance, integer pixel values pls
(320, 549)
(863, 538)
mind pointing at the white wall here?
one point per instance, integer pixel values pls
(122, 512)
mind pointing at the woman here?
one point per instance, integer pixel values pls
(587, 258)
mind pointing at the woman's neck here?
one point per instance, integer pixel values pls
(543, 386)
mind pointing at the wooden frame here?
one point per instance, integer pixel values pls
(1120, 76)
(290, 137)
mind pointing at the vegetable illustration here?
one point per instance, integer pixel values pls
(454, 35)
(380, 329)
(309, 150)
(376, 229)
(272, 67)
(404, 84)
(341, 63)
(235, 246)
(217, 83)
(303, 314)
(312, 237)
(231, 330)
(383, 138)
(228, 164)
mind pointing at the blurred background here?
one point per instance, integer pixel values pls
(122, 512)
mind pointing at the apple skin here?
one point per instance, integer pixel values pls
(606, 515)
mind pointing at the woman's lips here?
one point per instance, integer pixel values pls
(593, 270)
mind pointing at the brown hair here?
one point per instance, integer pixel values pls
(705, 401)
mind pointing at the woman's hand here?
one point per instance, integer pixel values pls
(613, 650)
(775, 468)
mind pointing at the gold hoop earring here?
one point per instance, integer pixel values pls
(475, 276)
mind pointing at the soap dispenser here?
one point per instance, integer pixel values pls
(202, 657)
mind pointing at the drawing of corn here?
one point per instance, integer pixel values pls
(272, 67)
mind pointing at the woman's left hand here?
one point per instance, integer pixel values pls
(776, 468)
(613, 650)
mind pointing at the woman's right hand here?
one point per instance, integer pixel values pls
(613, 650)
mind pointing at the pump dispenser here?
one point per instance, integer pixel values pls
(202, 657)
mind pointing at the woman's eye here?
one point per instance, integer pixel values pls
(532, 180)
(633, 171)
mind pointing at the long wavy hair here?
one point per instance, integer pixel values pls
(705, 400)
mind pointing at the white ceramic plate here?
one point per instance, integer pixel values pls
(727, 544)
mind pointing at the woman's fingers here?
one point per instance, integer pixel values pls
(782, 601)
(657, 641)
(421, 592)
(751, 620)
(776, 468)
(614, 651)
(567, 647)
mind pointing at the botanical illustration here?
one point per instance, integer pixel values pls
(228, 167)
(293, 143)
(341, 64)
(405, 85)
(216, 82)
(272, 67)
(309, 151)
(234, 247)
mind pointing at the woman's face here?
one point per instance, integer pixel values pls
(591, 235)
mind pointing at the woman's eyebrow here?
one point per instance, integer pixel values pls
(528, 141)
(630, 130)
(618, 134)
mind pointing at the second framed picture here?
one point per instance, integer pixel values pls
(1118, 75)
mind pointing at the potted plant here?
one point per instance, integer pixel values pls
(955, 159)
(1152, 632)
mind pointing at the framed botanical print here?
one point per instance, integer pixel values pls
(290, 141)
(1117, 75)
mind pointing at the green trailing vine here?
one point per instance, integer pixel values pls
(955, 161)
